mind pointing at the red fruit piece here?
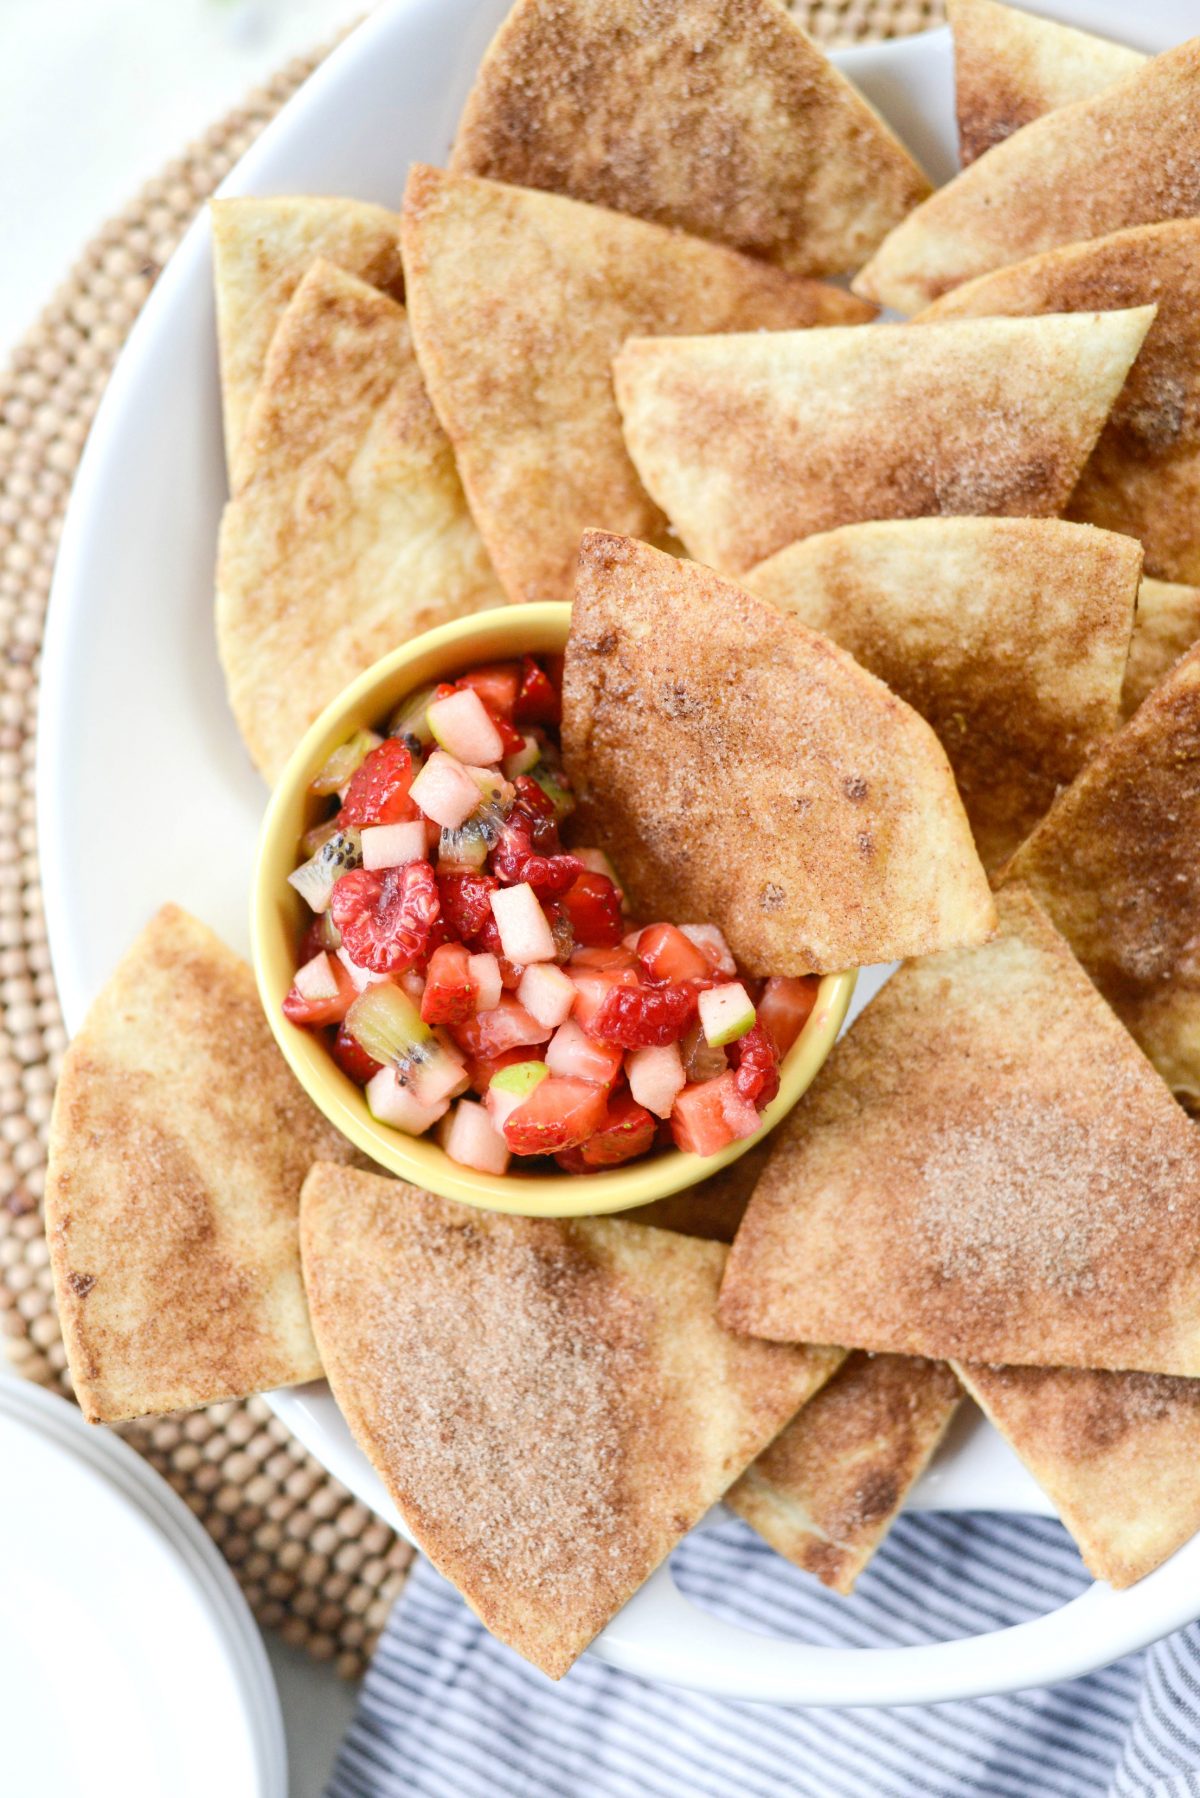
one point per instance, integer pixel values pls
(538, 699)
(708, 1117)
(641, 1017)
(557, 1115)
(489, 1033)
(378, 792)
(449, 995)
(593, 905)
(466, 902)
(497, 684)
(352, 1058)
(756, 1066)
(314, 1012)
(784, 1007)
(666, 954)
(385, 916)
(628, 1130)
(534, 800)
(614, 960)
(516, 859)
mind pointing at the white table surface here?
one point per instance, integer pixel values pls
(95, 96)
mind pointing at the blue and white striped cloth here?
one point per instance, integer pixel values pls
(446, 1712)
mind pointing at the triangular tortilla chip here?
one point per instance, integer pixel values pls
(1116, 865)
(750, 442)
(262, 249)
(550, 1404)
(828, 1489)
(1010, 66)
(519, 301)
(1008, 635)
(348, 532)
(741, 768)
(1167, 624)
(719, 116)
(1143, 477)
(986, 1167)
(1128, 156)
(178, 1146)
(1116, 1452)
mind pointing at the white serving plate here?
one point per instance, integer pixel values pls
(120, 1626)
(145, 793)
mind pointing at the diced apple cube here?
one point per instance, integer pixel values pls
(546, 993)
(316, 979)
(726, 1012)
(443, 1075)
(655, 1077)
(525, 933)
(483, 971)
(362, 977)
(444, 791)
(460, 723)
(397, 1105)
(393, 845)
(574, 1055)
(468, 1137)
(709, 940)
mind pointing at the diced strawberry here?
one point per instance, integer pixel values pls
(605, 961)
(314, 1012)
(467, 905)
(489, 1033)
(558, 1114)
(497, 684)
(627, 1130)
(573, 1054)
(636, 1017)
(594, 989)
(711, 1115)
(385, 917)
(785, 1005)
(536, 803)
(482, 1069)
(352, 1058)
(378, 791)
(537, 699)
(512, 741)
(667, 955)
(571, 1162)
(449, 995)
(756, 1066)
(594, 907)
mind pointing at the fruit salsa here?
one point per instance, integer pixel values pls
(458, 948)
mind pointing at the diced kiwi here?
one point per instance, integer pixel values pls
(385, 1022)
(555, 786)
(523, 759)
(463, 849)
(345, 762)
(316, 878)
(410, 724)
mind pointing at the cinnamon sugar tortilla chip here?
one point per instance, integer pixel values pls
(1130, 155)
(178, 1146)
(1116, 1452)
(550, 1404)
(750, 442)
(830, 1486)
(1010, 67)
(741, 768)
(719, 116)
(1167, 624)
(1143, 477)
(1008, 635)
(262, 249)
(1115, 863)
(347, 532)
(519, 301)
(986, 1168)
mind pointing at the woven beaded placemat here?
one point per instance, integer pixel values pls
(313, 1562)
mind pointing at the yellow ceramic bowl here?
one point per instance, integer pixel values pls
(279, 916)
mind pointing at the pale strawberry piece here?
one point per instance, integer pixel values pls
(525, 933)
(785, 1006)
(547, 993)
(574, 1054)
(668, 954)
(445, 792)
(468, 1138)
(399, 1106)
(655, 1077)
(592, 989)
(558, 1114)
(708, 1117)
(490, 1033)
(712, 945)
